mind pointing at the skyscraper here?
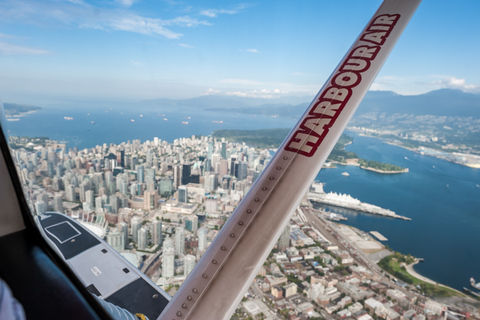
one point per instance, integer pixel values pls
(186, 171)
(136, 225)
(116, 240)
(142, 238)
(183, 194)
(191, 223)
(58, 203)
(177, 176)
(123, 226)
(157, 232)
(141, 174)
(179, 240)
(168, 263)
(189, 264)
(284, 240)
(202, 239)
(165, 187)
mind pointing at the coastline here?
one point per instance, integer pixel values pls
(384, 172)
(432, 154)
(22, 114)
(409, 268)
(414, 274)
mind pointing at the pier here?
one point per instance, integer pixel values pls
(378, 235)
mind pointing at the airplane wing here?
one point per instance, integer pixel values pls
(102, 270)
(218, 282)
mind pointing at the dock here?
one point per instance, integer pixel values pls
(377, 235)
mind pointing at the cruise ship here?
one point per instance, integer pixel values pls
(347, 201)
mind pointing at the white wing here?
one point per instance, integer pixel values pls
(216, 285)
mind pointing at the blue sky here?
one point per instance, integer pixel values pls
(139, 49)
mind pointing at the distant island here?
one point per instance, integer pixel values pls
(381, 167)
(18, 110)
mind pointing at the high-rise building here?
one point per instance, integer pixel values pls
(165, 187)
(183, 194)
(150, 200)
(141, 174)
(90, 197)
(70, 192)
(223, 152)
(136, 225)
(168, 243)
(186, 171)
(149, 175)
(202, 239)
(40, 206)
(123, 226)
(58, 203)
(168, 263)
(142, 238)
(179, 240)
(188, 264)
(116, 240)
(157, 232)
(191, 223)
(177, 177)
(284, 240)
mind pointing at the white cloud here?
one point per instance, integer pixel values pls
(126, 3)
(258, 93)
(137, 63)
(252, 50)
(11, 49)
(211, 91)
(451, 82)
(76, 12)
(185, 45)
(213, 13)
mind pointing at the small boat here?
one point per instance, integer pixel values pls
(346, 174)
(141, 116)
(93, 122)
(217, 121)
(184, 122)
(165, 119)
(132, 120)
(68, 118)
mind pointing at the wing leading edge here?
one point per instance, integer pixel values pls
(216, 285)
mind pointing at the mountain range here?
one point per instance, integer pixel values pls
(443, 102)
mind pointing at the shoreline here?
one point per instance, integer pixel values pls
(22, 114)
(417, 150)
(384, 172)
(415, 274)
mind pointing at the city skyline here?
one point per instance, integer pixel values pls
(144, 50)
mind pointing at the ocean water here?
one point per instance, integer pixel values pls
(113, 123)
(442, 198)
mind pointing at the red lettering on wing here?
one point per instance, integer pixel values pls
(323, 113)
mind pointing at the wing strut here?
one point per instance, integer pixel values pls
(218, 282)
